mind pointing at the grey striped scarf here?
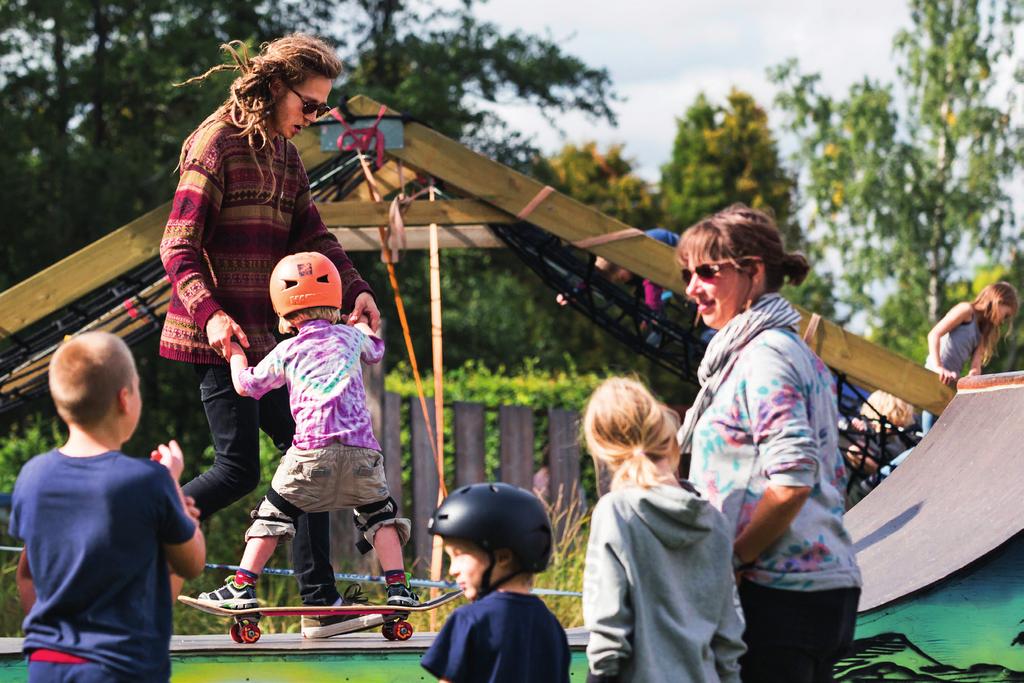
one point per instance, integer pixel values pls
(769, 312)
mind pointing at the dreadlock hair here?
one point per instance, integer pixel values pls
(291, 60)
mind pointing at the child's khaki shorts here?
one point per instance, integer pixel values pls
(331, 478)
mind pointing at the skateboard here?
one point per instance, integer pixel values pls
(246, 626)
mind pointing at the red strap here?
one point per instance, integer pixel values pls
(535, 202)
(607, 237)
(362, 139)
(129, 305)
(55, 657)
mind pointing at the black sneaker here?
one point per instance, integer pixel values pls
(336, 624)
(401, 595)
(232, 596)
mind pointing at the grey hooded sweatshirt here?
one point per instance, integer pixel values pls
(659, 596)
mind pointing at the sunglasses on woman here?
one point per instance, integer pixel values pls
(310, 106)
(705, 271)
(709, 271)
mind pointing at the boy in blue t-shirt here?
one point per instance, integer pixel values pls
(497, 537)
(100, 529)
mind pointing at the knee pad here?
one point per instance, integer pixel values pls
(273, 516)
(371, 517)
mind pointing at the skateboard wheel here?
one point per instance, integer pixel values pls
(388, 631)
(236, 634)
(403, 630)
(249, 632)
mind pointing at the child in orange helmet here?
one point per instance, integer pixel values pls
(334, 461)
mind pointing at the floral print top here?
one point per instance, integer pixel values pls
(774, 421)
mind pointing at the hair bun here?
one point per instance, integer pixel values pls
(795, 268)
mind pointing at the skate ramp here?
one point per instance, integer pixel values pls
(958, 497)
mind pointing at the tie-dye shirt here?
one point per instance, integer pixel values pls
(321, 367)
(774, 421)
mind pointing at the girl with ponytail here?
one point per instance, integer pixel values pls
(764, 445)
(658, 592)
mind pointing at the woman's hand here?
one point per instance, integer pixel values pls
(365, 310)
(220, 329)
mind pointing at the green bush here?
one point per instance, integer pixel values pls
(532, 386)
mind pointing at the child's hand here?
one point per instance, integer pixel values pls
(190, 508)
(948, 377)
(236, 350)
(169, 455)
(365, 329)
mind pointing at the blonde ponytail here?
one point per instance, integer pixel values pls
(628, 432)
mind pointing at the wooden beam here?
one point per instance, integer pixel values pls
(418, 236)
(864, 363)
(511, 191)
(98, 263)
(448, 212)
(308, 144)
(82, 272)
(873, 367)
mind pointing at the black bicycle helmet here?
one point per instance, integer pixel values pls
(495, 516)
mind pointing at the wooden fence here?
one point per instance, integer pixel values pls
(517, 458)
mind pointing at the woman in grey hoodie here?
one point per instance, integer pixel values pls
(659, 596)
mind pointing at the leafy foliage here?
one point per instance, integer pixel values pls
(904, 178)
(723, 155)
(442, 65)
(602, 180)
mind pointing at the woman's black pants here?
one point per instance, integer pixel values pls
(795, 636)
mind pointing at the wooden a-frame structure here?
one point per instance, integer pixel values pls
(491, 193)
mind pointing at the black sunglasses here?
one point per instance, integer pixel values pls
(705, 271)
(310, 106)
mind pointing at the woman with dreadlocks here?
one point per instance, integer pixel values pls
(242, 203)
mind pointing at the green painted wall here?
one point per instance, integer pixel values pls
(400, 667)
(964, 630)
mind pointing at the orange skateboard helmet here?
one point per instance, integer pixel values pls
(304, 280)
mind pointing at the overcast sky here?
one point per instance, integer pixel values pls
(662, 53)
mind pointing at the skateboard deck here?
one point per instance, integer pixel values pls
(246, 627)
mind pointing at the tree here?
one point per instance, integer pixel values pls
(603, 180)
(723, 155)
(904, 177)
(444, 67)
(95, 124)
(728, 154)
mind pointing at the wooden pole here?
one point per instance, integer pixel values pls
(436, 343)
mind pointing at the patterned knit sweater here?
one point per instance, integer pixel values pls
(225, 234)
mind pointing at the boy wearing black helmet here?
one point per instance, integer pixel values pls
(497, 537)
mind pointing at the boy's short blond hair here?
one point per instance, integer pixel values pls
(86, 374)
(328, 313)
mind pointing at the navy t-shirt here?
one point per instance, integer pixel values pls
(94, 528)
(503, 637)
